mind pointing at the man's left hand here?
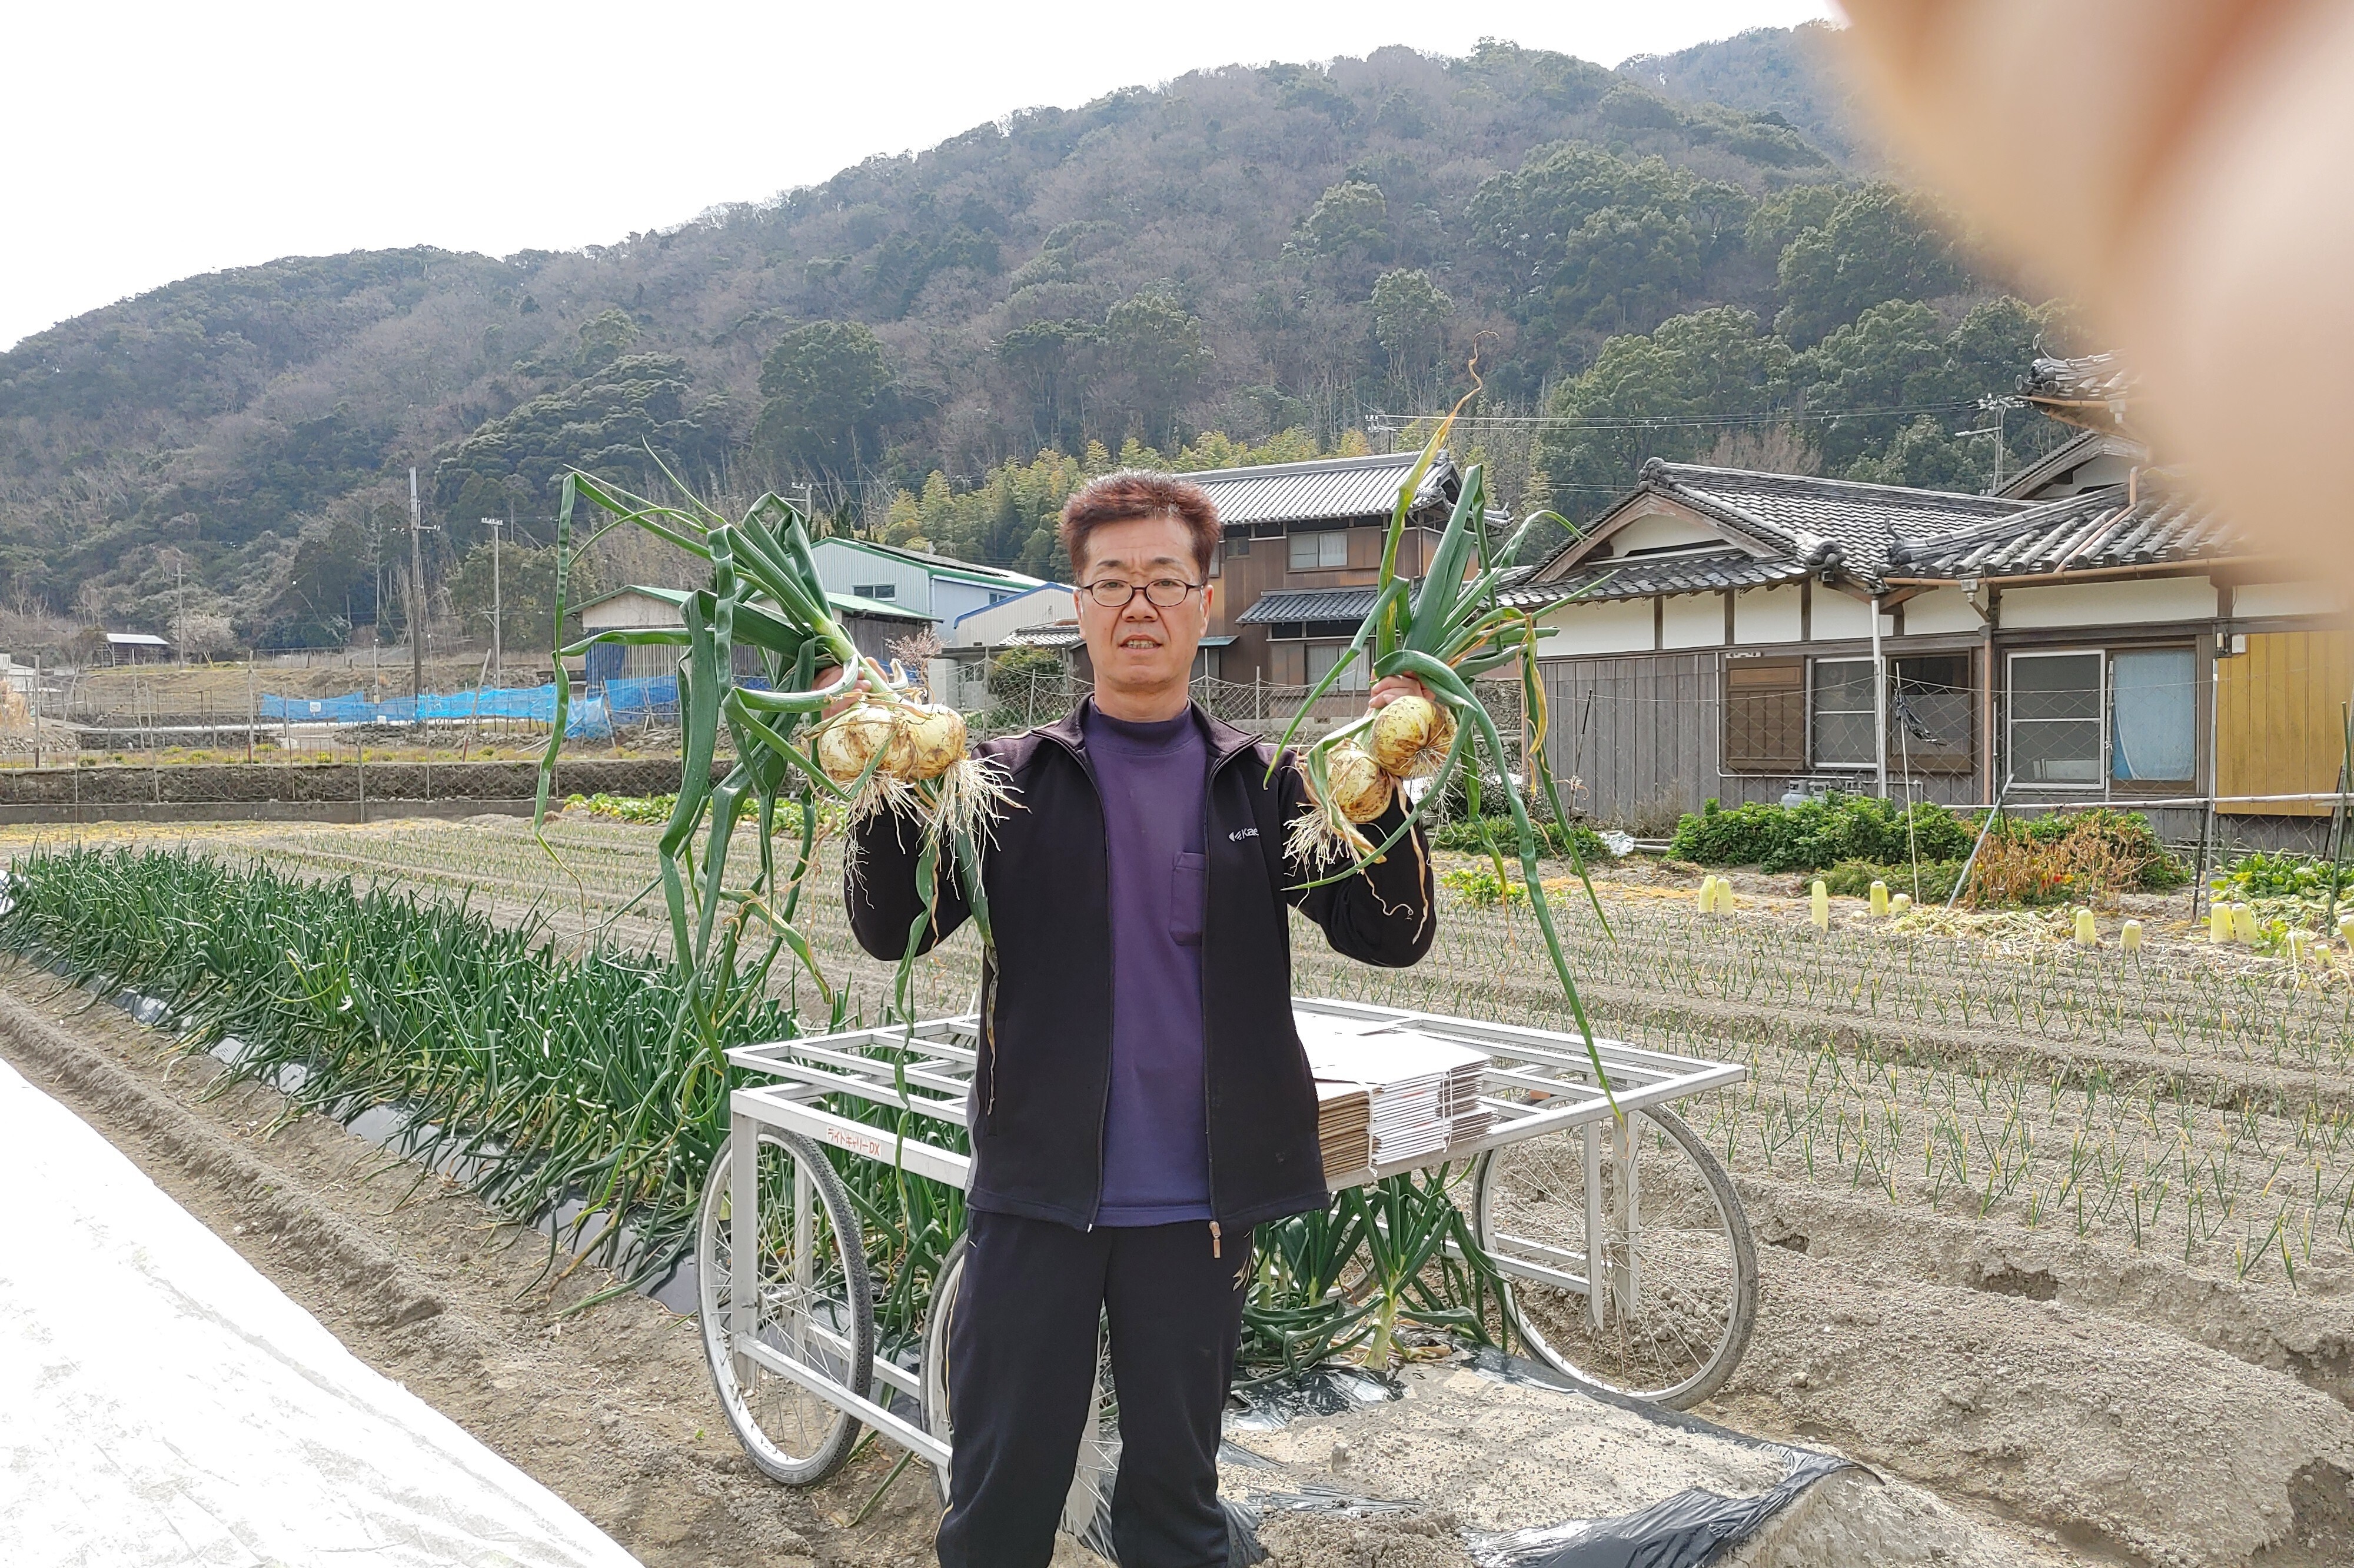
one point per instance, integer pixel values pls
(1390, 688)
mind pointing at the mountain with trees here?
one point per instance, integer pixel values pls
(1786, 72)
(1281, 260)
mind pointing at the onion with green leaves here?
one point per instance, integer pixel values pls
(887, 750)
(1445, 632)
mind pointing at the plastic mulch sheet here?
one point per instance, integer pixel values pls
(1697, 1487)
(165, 1403)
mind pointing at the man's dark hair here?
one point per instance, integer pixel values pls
(1139, 492)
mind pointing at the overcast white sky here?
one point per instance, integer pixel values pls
(145, 143)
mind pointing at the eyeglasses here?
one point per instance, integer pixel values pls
(1111, 593)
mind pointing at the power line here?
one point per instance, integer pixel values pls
(1697, 422)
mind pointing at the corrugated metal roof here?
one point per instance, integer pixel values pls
(938, 565)
(1348, 604)
(1326, 488)
(2111, 528)
(851, 604)
(846, 603)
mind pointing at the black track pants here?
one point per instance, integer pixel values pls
(1022, 1357)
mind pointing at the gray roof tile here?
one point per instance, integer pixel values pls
(1051, 634)
(2093, 377)
(1348, 604)
(1641, 578)
(1361, 487)
(2111, 528)
(1800, 523)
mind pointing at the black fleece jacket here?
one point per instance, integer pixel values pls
(1037, 1111)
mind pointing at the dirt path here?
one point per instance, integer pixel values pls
(2119, 1405)
(611, 1408)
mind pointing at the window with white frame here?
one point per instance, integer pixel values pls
(1319, 551)
(1323, 656)
(2055, 718)
(1839, 714)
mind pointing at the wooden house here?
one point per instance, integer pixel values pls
(1301, 551)
(2094, 633)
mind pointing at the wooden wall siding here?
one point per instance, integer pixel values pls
(2279, 726)
(1638, 732)
(1642, 733)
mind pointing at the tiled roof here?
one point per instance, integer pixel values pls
(2111, 528)
(2095, 391)
(1326, 488)
(1052, 634)
(2094, 378)
(1800, 521)
(2083, 447)
(1348, 604)
(1641, 577)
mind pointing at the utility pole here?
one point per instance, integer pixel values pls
(417, 603)
(1995, 404)
(180, 611)
(498, 656)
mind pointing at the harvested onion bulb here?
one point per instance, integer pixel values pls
(936, 741)
(1361, 788)
(1410, 736)
(847, 744)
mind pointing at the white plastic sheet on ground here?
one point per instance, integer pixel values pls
(163, 1402)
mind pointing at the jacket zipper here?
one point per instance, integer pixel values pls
(1209, 1146)
(1102, 1112)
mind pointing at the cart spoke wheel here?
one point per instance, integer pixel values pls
(1086, 1512)
(1678, 1271)
(807, 1296)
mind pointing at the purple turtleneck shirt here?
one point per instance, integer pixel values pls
(1153, 779)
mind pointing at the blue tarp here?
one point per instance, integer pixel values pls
(587, 717)
(642, 700)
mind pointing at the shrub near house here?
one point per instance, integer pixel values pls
(1819, 835)
(1858, 840)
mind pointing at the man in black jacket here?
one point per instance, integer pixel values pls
(1141, 1099)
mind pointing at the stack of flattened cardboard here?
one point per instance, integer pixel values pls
(1344, 1127)
(1421, 1093)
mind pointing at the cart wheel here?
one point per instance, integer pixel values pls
(1679, 1269)
(1086, 1512)
(814, 1303)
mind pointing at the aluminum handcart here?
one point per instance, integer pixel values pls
(1626, 1259)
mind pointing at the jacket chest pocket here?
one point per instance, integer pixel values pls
(1189, 892)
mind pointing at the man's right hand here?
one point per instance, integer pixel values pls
(827, 675)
